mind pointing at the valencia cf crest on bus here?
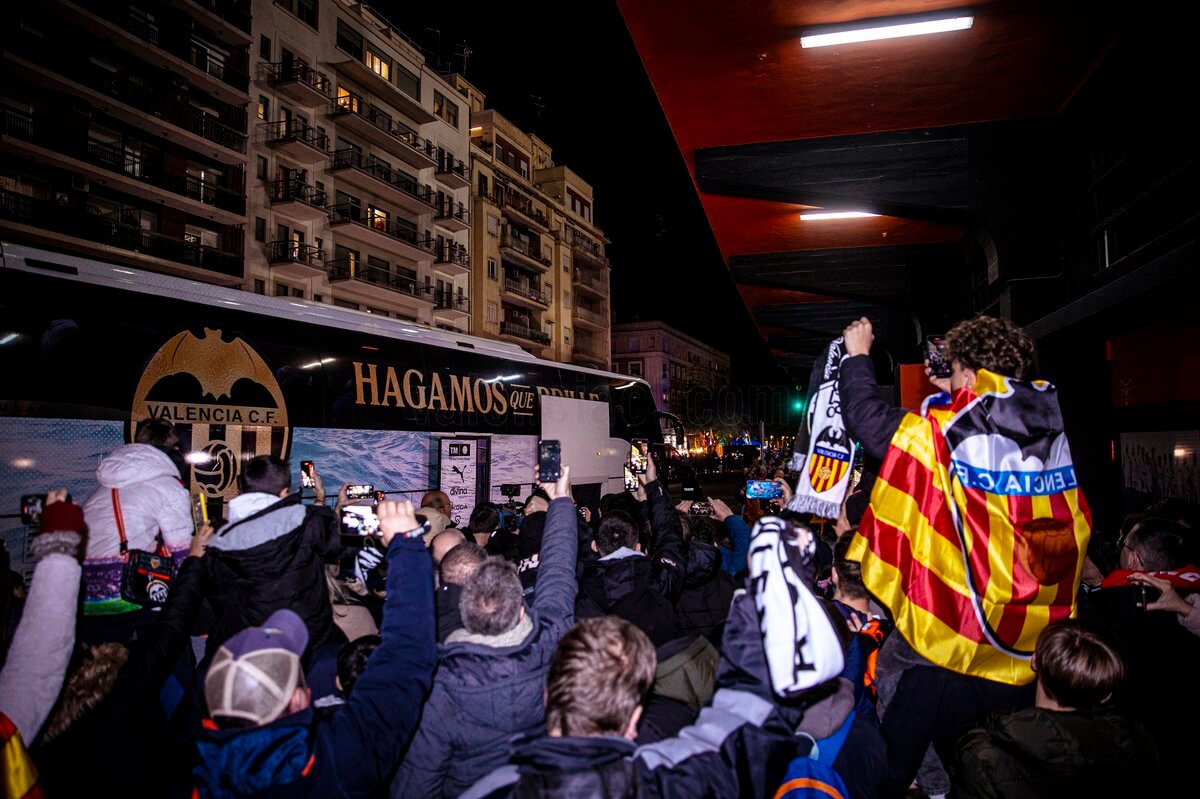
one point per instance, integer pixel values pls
(830, 459)
(223, 399)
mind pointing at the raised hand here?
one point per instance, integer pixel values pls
(395, 518)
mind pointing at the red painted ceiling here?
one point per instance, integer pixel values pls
(732, 72)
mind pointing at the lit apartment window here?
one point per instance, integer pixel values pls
(492, 268)
(349, 40)
(348, 100)
(380, 64)
(446, 109)
(377, 218)
(264, 108)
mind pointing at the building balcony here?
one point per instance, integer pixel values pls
(452, 215)
(521, 251)
(452, 172)
(452, 259)
(292, 259)
(390, 93)
(44, 142)
(375, 286)
(298, 81)
(584, 246)
(524, 333)
(230, 18)
(171, 46)
(595, 320)
(297, 200)
(520, 209)
(352, 112)
(526, 294)
(586, 282)
(380, 233)
(296, 139)
(365, 173)
(450, 306)
(144, 107)
(108, 235)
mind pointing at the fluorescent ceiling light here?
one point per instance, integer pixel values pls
(8, 339)
(817, 215)
(884, 28)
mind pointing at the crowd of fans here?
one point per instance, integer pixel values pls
(613, 651)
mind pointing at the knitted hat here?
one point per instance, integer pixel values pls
(254, 673)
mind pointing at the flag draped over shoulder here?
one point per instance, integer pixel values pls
(977, 528)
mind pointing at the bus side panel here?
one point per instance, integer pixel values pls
(41, 454)
(398, 462)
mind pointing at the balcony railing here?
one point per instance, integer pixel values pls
(355, 159)
(449, 165)
(583, 278)
(235, 12)
(452, 253)
(279, 252)
(110, 229)
(349, 269)
(527, 248)
(299, 72)
(448, 300)
(522, 331)
(351, 103)
(527, 291)
(452, 209)
(507, 198)
(162, 104)
(173, 39)
(282, 191)
(348, 212)
(580, 242)
(295, 130)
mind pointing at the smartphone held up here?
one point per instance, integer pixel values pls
(549, 460)
(307, 470)
(935, 356)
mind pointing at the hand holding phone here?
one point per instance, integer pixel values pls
(357, 491)
(360, 520)
(639, 455)
(631, 481)
(549, 461)
(31, 509)
(935, 357)
(763, 489)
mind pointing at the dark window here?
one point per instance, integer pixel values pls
(304, 10)
(260, 229)
(281, 290)
(407, 82)
(264, 47)
(261, 168)
(299, 293)
(349, 40)
(446, 109)
(318, 298)
(260, 287)
(492, 268)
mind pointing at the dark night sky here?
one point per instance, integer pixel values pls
(575, 79)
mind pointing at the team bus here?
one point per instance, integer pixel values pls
(88, 349)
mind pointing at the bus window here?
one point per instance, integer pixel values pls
(632, 413)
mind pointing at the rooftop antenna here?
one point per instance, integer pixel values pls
(463, 52)
(538, 106)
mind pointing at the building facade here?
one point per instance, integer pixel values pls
(673, 363)
(124, 132)
(539, 274)
(297, 149)
(359, 156)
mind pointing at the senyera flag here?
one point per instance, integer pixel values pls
(977, 528)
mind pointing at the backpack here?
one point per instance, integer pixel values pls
(812, 776)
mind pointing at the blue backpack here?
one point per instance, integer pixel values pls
(813, 777)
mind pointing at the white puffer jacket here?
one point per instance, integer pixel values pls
(152, 500)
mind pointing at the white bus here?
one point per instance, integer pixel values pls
(88, 349)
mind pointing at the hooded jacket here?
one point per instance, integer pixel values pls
(350, 750)
(153, 502)
(273, 559)
(485, 695)
(707, 593)
(638, 588)
(1033, 753)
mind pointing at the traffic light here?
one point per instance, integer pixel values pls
(798, 404)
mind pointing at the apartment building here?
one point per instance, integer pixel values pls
(124, 132)
(539, 275)
(672, 362)
(359, 155)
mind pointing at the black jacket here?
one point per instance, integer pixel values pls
(642, 589)
(112, 748)
(484, 695)
(271, 560)
(870, 421)
(1036, 753)
(707, 592)
(348, 751)
(449, 618)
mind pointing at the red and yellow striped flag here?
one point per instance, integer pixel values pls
(18, 775)
(977, 529)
